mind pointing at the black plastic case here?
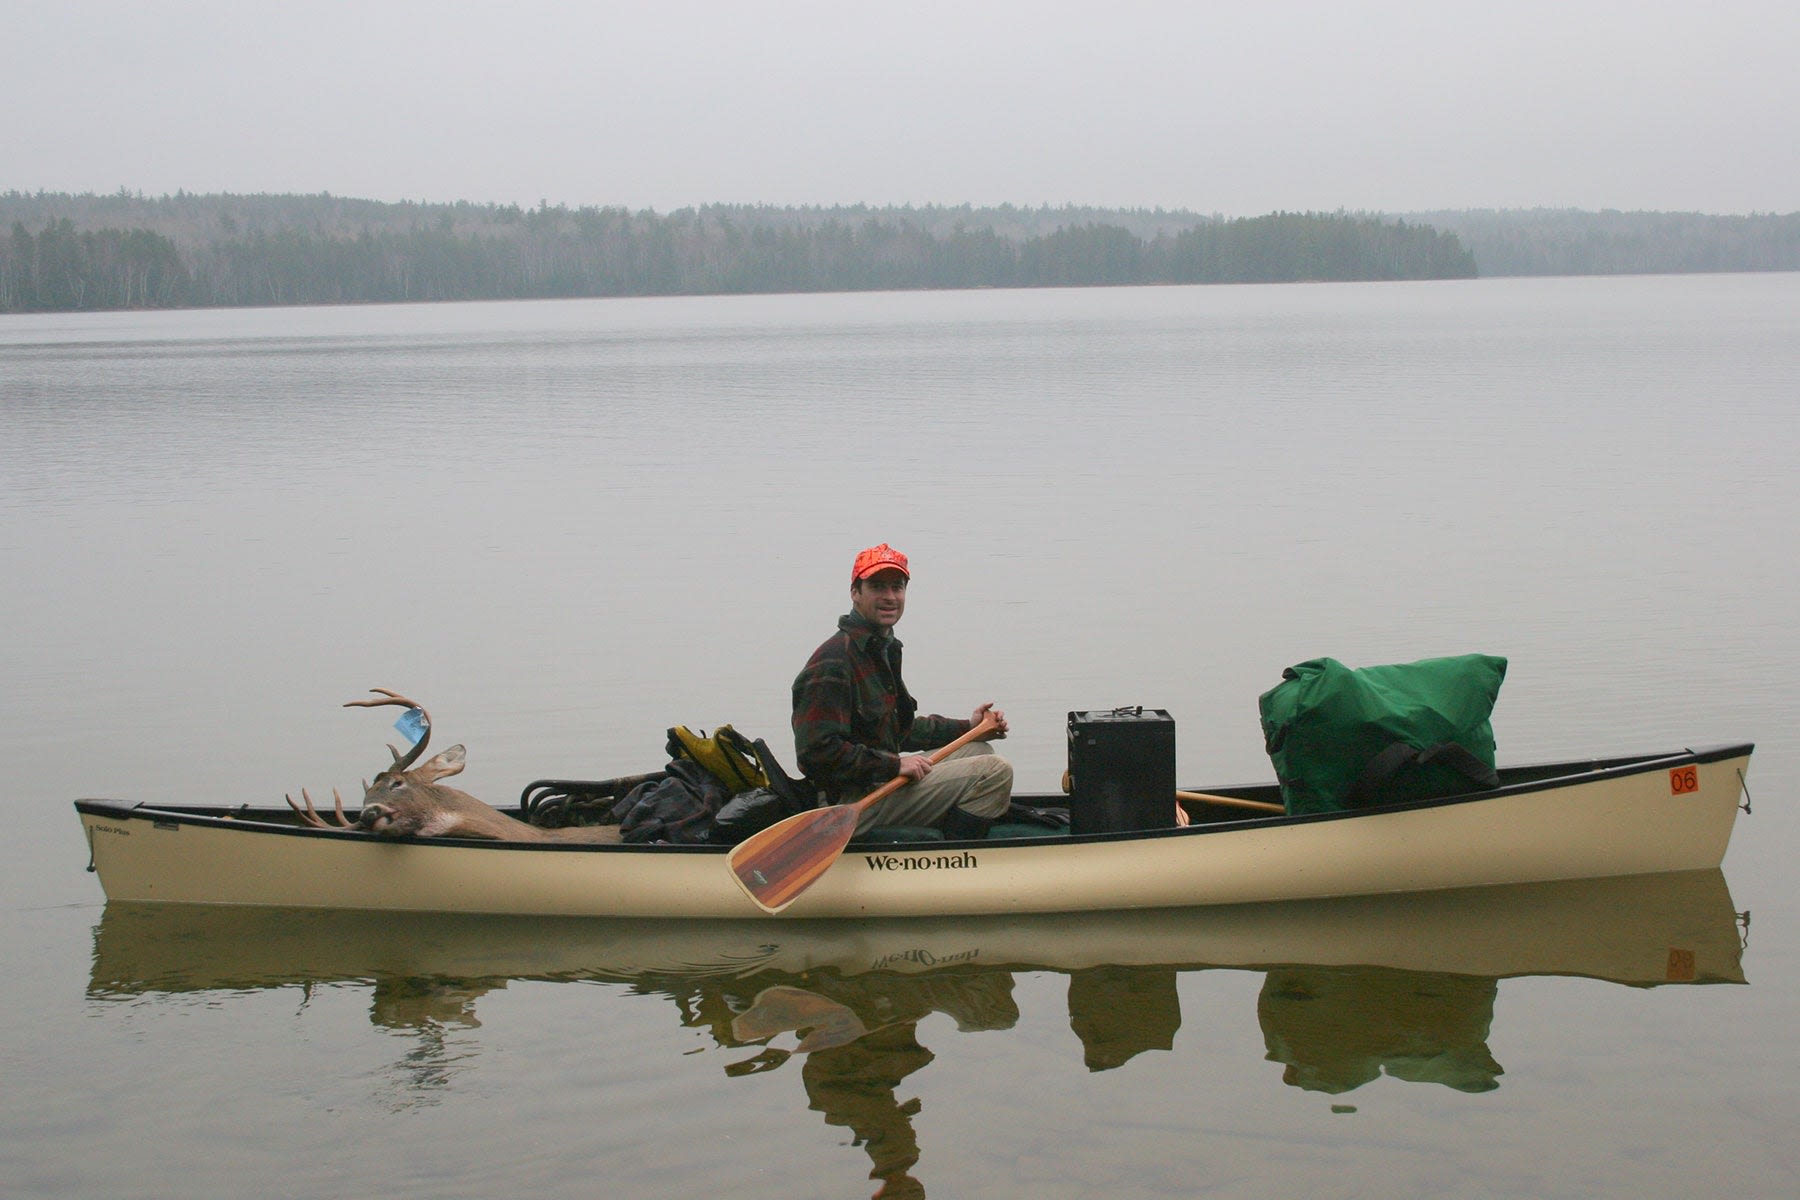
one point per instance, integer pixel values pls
(1121, 770)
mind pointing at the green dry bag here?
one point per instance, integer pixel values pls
(1343, 738)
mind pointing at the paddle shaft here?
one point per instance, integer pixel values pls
(775, 865)
(1209, 798)
(1232, 801)
(975, 734)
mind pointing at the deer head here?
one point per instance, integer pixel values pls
(406, 800)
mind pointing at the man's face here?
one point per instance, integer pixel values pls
(880, 598)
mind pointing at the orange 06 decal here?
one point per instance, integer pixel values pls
(1683, 780)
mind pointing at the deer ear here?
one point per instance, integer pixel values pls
(441, 767)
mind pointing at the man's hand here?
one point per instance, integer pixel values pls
(915, 766)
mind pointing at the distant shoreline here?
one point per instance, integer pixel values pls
(70, 253)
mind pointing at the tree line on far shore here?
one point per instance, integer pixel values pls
(73, 252)
(322, 250)
(1553, 241)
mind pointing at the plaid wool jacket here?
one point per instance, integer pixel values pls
(853, 715)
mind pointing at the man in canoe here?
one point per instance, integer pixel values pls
(856, 726)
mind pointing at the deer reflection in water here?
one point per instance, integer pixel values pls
(426, 1012)
(430, 1013)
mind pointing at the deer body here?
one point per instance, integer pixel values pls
(408, 801)
(413, 804)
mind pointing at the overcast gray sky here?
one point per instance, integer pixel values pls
(1239, 108)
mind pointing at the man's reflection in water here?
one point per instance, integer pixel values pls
(1337, 1029)
(860, 1035)
(856, 1086)
(861, 1038)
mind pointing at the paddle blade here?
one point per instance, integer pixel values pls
(777, 864)
(824, 1022)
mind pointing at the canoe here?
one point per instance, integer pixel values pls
(1592, 818)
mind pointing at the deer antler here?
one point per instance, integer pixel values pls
(386, 697)
(311, 816)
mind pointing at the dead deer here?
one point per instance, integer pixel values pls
(408, 801)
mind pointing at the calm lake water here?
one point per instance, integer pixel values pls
(568, 526)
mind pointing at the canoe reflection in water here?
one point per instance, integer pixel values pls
(1402, 986)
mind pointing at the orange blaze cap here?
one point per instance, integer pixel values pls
(878, 558)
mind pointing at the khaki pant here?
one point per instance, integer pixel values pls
(974, 779)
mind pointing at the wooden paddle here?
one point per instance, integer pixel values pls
(1209, 798)
(777, 864)
(1233, 801)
